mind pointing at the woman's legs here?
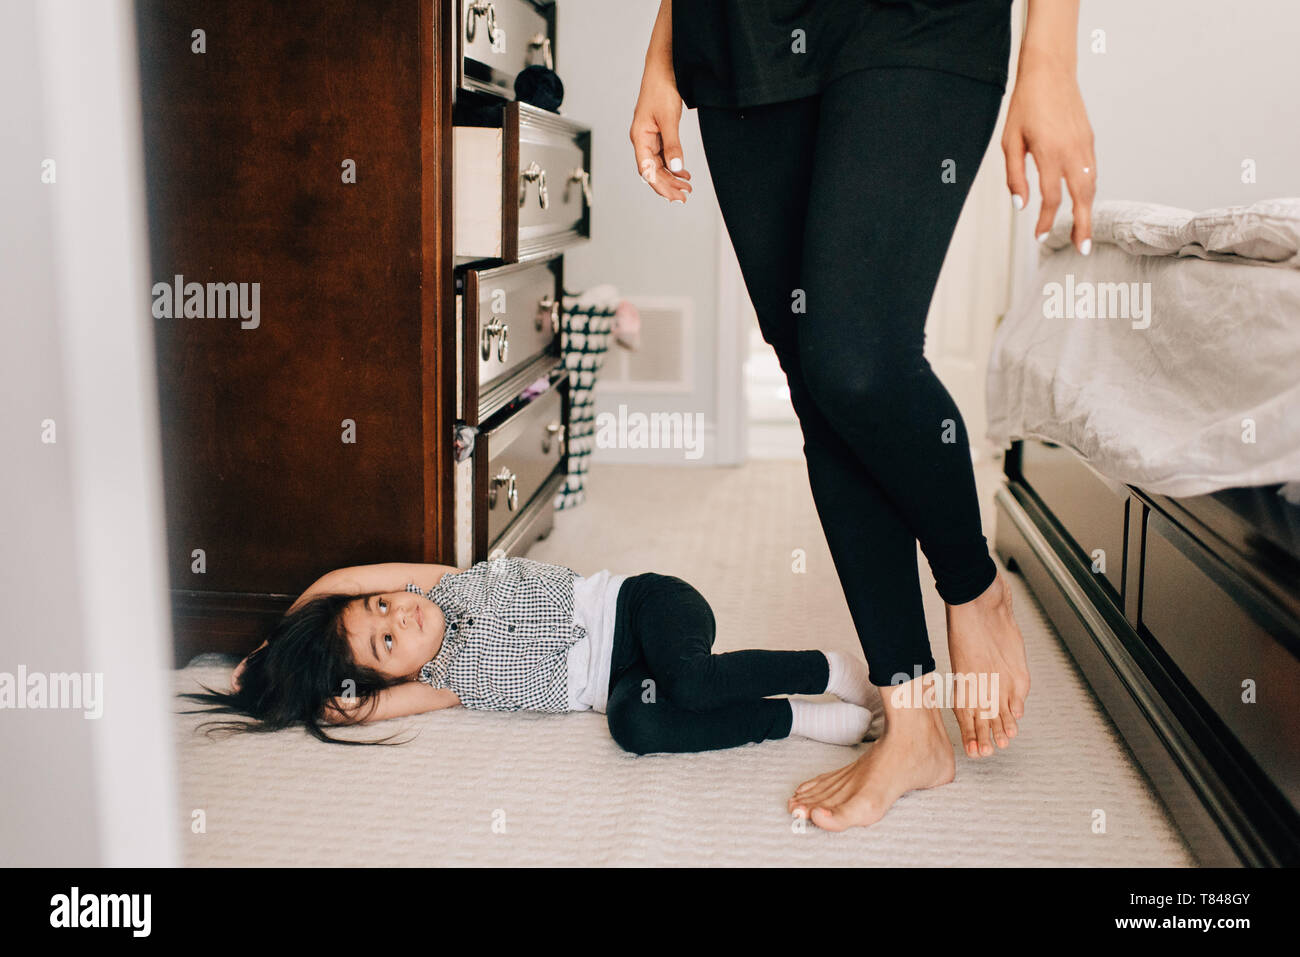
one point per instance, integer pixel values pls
(676, 695)
(841, 207)
(888, 186)
(761, 160)
(896, 152)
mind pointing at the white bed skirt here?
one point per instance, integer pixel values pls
(1168, 359)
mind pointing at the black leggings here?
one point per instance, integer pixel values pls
(841, 207)
(669, 692)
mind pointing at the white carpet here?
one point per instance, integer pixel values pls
(477, 788)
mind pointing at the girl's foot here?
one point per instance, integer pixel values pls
(914, 753)
(850, 681)
(984, 640)
(834, 722)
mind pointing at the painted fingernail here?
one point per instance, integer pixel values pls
(1041, 236)
(1017, 202)
(675, 164)
(1086, 246)
(677, 202)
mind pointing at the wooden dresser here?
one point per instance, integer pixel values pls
(356, 241)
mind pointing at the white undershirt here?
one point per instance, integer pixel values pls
(595, 600)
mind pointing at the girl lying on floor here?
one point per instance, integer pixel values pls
(374, 642)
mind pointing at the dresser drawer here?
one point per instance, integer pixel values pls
(1219, 635)
(516, 457)
(1092, 509)
(498, 39)
(511, 325)
(522, 189)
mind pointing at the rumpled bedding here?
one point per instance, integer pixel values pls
(1169, 359)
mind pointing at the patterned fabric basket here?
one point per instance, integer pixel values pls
(585, 337)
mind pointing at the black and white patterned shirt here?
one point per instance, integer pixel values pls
(510, 625)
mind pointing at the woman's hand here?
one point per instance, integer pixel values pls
(654, 121)
(1046, 117)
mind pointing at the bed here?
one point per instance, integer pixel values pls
(1150, 402)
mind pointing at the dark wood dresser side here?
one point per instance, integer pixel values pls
(316, 433)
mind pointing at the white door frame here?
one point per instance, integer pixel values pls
(88, 75)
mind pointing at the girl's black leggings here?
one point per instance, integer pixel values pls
(841, 207)
(669, 692)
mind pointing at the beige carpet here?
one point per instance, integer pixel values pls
(478, 788)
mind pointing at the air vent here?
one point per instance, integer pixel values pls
(664, 360)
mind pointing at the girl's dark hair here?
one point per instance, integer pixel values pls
(304, 665)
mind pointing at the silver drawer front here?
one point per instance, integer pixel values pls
(521, 39)
(522, 453)
(550, 157)
(518, 316)
(534, 209)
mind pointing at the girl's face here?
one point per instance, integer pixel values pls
(395, 633)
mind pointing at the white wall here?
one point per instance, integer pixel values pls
(640, 243)
(82, 559)
(1185, 91)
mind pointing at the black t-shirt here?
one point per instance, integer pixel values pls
(735, 53)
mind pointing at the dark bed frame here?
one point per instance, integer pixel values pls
(1184, 616)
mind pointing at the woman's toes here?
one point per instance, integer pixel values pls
(803, 798)
(966, 722)
(813, 783)
(826, 819)
(985, 733)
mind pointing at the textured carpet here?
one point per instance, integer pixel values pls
(476, 788)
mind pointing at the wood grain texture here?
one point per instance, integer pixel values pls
(244, 148)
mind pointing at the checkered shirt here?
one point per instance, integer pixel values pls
(510, 625)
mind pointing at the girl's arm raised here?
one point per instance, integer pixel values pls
(369, 579)
(362, 580)
(411, 697)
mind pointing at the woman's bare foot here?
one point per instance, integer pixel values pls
(984, 640)
(913, 753)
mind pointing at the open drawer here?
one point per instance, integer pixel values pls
(522, 184)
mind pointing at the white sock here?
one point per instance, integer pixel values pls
(850, 681)
(834, 722)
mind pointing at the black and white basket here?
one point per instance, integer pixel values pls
(585, 337)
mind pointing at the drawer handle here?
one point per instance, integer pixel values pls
(556, 429)
(551, 306)
(534, 172)
(480, 9)
(583, 177)
(543, 41)
(507, 478)
(494, 329)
